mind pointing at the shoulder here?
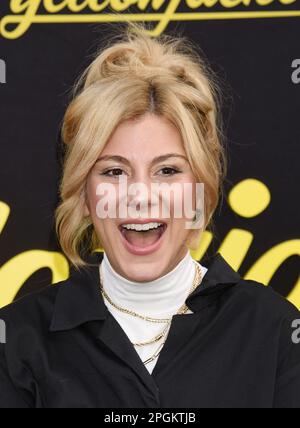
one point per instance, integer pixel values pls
(265, 300)
(244, 298)
(34, 308)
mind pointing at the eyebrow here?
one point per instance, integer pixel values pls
(157, 159)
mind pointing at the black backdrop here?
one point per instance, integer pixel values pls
(253, 58)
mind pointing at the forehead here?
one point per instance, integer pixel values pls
(146, 138)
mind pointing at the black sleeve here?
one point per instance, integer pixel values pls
(287, 389)
(10, 397)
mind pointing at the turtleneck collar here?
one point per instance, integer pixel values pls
(161, 296)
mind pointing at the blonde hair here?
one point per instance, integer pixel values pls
(131, 76)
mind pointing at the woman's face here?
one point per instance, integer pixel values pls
(139, 152)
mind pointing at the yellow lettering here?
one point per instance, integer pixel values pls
(121, 5)
(267, 265)
(156, 4)
(26, 12)
(97, 7)
(232, 3)
(19, 6)
(4, 214)
(167, 16)
(194, 4)
(206, 240)
(55, 8)
(22, 22)
(15, 272)
(75, 7)
(235, 247)
(249, 198)
(264, 2)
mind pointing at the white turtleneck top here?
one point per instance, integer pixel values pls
(160, 298)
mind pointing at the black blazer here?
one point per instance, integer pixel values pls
(65, 349)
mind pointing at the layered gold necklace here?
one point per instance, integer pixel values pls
(182, 310)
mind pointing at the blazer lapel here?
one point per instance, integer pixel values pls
(113, 336)
(219, 278)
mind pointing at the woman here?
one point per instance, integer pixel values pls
(145, 325)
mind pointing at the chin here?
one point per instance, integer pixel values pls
(142, 272)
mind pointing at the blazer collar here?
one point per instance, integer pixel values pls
(79, 300)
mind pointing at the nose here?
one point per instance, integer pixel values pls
(141, 197)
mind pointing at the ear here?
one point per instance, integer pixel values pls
(86, 210)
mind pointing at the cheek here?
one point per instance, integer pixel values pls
(183, 201)
(91, 197)
(103, 203)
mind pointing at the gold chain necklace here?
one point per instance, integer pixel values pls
(197, 281)
(155, 355)
(156, 338)
(183, 309)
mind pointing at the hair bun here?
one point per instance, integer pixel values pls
(140, 56)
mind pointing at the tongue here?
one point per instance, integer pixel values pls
(142, 239)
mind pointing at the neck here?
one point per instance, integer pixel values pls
(161, 296)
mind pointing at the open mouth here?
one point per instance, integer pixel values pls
(142, 238)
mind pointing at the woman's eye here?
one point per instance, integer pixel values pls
(116, 172)
(113, 172)
(169, 171)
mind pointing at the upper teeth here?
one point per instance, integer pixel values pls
(140, 227)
